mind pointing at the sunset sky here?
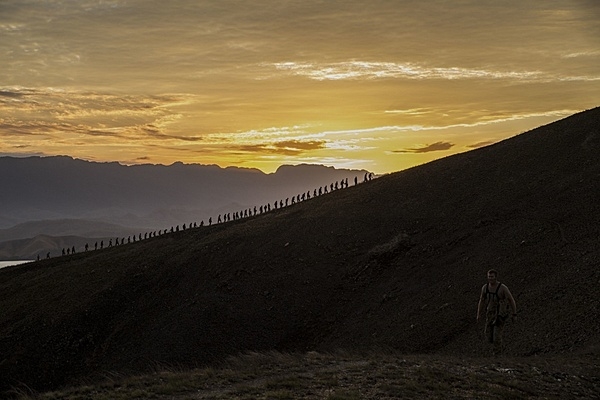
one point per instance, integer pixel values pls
(378, 84)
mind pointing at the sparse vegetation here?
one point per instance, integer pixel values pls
(342, 376)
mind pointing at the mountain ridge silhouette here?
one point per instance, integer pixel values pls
(155, 196)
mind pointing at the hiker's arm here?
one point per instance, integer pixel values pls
(511, 299)
(480, 304)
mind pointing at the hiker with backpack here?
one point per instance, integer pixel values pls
(498, 303)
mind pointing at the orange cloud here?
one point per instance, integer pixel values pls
(288, 147)
(438, 146)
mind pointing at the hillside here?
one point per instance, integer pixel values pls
(396, 263)
(351, 376)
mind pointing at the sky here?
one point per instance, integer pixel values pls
(381, 84)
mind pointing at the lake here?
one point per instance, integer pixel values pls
(16, 262)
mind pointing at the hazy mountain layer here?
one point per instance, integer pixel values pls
(61, 197)
(156, 196)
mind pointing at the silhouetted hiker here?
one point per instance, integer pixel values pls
(86, 247)
(497, 299)
(320, 190)
(326, 191)
(101, 244)
(331, 187)
(293, 200)
(219, 219)
(68, 251)
(48, 255)
(355, 180)
(202, 223)
(128, 239)
(280, 203)
(210, 221)
(116, 241)
(73, 250)
(38, 257)
(366, 177)
(184, 227)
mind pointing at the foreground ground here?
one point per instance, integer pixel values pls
(352, 376)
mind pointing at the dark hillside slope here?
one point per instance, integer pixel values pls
(396, 262)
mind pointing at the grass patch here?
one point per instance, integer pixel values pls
(345, 395)
(327, 376)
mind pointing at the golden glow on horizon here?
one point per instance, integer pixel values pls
(381, 87)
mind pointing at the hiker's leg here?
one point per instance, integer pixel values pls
(489, 332)
(498, 329)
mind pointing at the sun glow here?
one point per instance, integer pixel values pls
(381, 88)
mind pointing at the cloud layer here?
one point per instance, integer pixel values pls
(381, 85)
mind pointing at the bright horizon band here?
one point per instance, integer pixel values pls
(261, 84)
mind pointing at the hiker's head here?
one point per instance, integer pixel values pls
(492, 275)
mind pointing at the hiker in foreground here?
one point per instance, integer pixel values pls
(498, 303)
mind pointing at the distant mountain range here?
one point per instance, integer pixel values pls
(61, 196)
(26, 242)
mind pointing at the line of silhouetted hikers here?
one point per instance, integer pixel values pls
(222, 218)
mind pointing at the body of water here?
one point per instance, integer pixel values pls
(16, 262)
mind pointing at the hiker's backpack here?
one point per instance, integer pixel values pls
(501, 308)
